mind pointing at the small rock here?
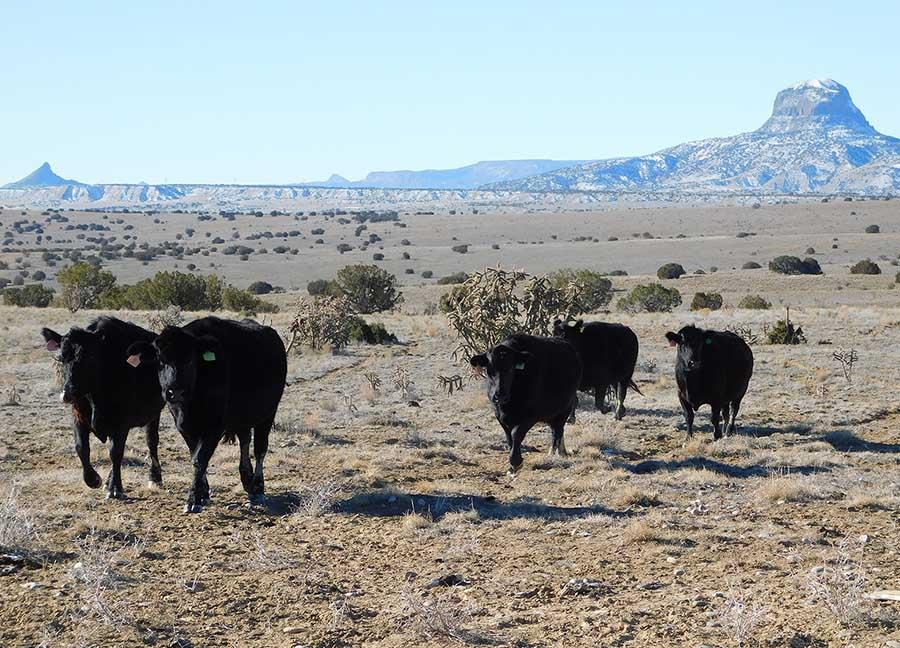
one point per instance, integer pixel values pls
(679, 572)
(413, 403)
(31, 585)
(671, 559)
(292, 630)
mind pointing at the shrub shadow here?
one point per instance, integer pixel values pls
(695, 463)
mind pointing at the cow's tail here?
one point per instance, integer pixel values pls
(633, 386)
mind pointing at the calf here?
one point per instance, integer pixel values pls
(220, 378)
(107, 398)
(608, 354)
(714, 368)
(531, 380)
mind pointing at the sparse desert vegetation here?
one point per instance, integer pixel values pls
(390, 520)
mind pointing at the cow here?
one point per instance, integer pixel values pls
(608, 355)
(219, 378)
(714, 368)
(107, 398)
(530, 380)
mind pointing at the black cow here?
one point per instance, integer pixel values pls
(106, 396)
(608, 355)
(531, 380)
(220, 378)
(714, 368)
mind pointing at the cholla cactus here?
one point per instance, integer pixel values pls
(321, 321)
(494, 303)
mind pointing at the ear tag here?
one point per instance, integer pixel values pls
(520, 366)
(571, 324)
(209, 356)
(709, 340)
(134, 360)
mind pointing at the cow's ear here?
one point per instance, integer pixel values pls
(479, 361)
(210, 349)
(673, 338)
(140, 353)
(579, 325)
(523, 360)
(52, 339)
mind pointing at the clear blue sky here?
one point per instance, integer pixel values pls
(286, 91)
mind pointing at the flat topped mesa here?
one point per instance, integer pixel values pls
(817, 103)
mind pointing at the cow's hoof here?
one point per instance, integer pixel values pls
(513, 470)
(192, 508)
(115, 494)
(257, 499)
(93, 480)
(154, 485)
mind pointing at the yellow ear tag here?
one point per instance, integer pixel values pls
(520, 366)
(209, 356)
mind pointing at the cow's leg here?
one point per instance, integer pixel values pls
(620, 399)
(82, 431)
(245, 467)
(199, 492)
(574, 408)
(735, 407)
(716, 417)
(114, 489)
(260, 448)
(508, 431)
(515, 452)
(151, 430)
(559, 445)
(600, 398)
(688, 417)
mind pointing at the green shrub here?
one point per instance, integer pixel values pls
(651, 298)
(369, 288)
(751, 265)
(241, 301)
(670, 271)
(319, 287)
(455, 278)
(365, 333)
(260, 288)
(595, 289)
(754, 302)
(872, 229)
(34, 295)
(865, 267)
(784, 332)
(83, 285)
(707, 301)
(791, 265)
(427, 274)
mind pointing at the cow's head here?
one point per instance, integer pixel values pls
(567, 330)
(178, 356)
(502, 366)
(79, 352)
(693, 345)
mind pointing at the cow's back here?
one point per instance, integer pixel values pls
(550, 384)
(608, 351)
(256, 365)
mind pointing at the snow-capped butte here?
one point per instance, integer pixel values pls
(815, 141)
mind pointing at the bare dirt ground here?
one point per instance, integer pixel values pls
(394, 525)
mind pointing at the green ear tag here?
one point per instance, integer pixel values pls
(709, 340)
(520, 366)
(209, 356)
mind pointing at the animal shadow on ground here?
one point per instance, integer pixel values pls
(765, 430)
(695, 463)
(392, 504)
(846, 441)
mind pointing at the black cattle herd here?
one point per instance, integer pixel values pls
(222, 379)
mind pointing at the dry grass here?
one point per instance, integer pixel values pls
(18, 528)
(739, 617)
(838, 583)
(438, 617)
(642, 530)
(318, 498)
(786, 489)
(632, 495)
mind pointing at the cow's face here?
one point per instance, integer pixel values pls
(177, 355)
(79, 352)
(502, 366)
(693, 344)
(567, 330)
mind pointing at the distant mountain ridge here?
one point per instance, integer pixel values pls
(467, 177)
(43, 176)
(815, 141)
